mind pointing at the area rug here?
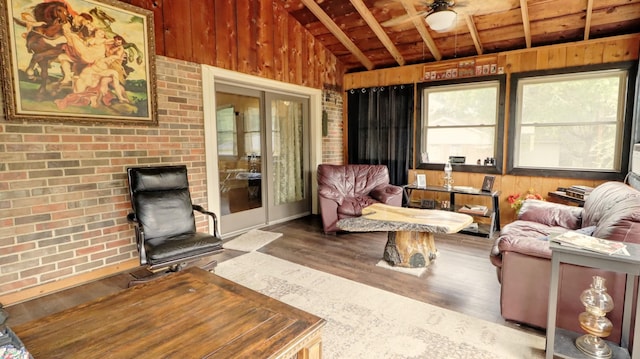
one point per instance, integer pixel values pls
(366, 322)
(413, 271)
(252, 240)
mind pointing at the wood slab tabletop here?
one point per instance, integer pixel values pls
(383, 217)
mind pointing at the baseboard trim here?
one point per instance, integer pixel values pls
(48, 288)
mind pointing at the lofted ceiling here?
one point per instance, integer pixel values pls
(373, 34)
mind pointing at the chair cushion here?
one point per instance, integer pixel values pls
(181, 246)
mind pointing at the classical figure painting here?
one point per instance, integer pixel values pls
(77, 60)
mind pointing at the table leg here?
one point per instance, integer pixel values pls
(410, 249)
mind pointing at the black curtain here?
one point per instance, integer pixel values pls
(380, 128)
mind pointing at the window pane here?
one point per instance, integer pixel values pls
(463, 107)
(226, 129)
(460, 120)
(252, 120)
(226, 146)
(565, 147)
(225, 120)
(252, 143)
(570, 121)
(584, 100)
(475, 143)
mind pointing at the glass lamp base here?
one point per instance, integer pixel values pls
(593, 346)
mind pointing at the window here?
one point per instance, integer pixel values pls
(463, 119)
(252, 131)
(226, 125)
(572, 123)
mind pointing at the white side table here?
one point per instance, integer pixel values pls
(561, 342)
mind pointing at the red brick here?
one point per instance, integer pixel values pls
(12, 286)
(17, 248)
(48, 208)
(89, 250)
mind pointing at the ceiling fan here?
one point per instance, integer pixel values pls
(441, 15)
(438, 14)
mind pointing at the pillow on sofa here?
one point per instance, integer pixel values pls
(551, 214)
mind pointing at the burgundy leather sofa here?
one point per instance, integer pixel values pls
(344, 190)
(522, 256)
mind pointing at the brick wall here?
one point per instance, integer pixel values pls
(63, 191)
(332, 144)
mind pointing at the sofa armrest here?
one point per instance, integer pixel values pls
(530, 246)
(551, 214)
(386, 192)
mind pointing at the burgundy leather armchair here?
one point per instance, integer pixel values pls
(344, 190)
(522, 256)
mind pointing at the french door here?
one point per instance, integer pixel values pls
(263, 157)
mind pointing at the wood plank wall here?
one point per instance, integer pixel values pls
(256, 37)
(606, 50)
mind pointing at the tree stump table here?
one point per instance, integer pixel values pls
(410, 231)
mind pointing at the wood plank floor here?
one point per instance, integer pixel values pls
(461, 279)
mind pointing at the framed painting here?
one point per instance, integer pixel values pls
(77, 61)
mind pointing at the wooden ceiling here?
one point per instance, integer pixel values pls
(369, 34)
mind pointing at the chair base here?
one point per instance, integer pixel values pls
(144, 275)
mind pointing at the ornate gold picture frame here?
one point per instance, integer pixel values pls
(77, 60)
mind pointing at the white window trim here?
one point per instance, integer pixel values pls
(210, 77)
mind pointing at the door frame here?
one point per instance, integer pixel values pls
(212, 75)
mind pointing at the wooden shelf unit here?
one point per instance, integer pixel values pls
(493, 214)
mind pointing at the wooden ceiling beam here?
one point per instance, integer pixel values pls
(368, 17)
(587, 23)
(419, 23)
(474, 33)
(338, 33)
(525, 22)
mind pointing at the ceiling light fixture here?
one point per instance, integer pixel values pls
(441, 18)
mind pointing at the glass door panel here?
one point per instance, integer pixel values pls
(288, 165)
(239, 137)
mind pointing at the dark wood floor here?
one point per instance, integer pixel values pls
(461, 279)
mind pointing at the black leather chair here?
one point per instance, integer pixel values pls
(164, 219)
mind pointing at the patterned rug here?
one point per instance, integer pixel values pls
(366, 322)
(418, 272)
(252, 240)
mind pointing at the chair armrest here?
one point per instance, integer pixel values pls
(384, 192)
(210, 214)
(131, 217)
(551, 214)
(203, 211)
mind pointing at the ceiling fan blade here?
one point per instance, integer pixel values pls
(475, 7)
(402, 19)
(397, 4)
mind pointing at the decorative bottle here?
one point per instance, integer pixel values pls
(448, 180)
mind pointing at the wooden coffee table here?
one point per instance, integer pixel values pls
(189, 314)
(410, 231)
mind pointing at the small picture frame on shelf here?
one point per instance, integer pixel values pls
(427, 204)
(421, 181)
(487, 184)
